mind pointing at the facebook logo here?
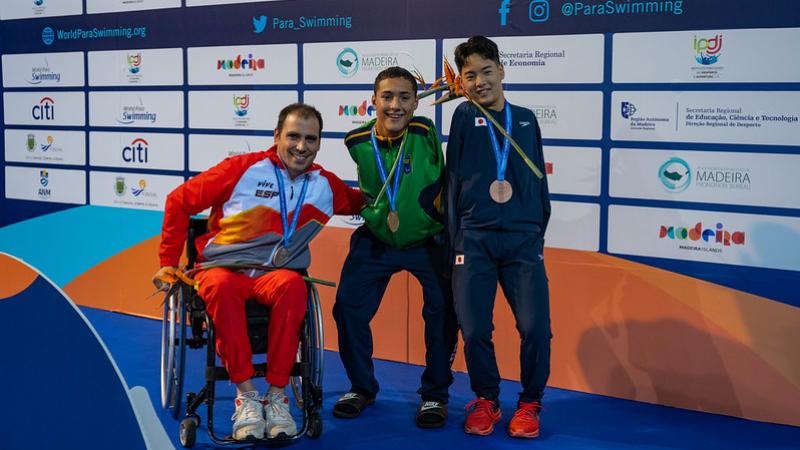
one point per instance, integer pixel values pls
(504, 10)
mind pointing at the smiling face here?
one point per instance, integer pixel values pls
(395, 101)
(483, 81)
(298, 142)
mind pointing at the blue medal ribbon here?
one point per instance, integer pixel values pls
(288, 230)
(501, 157)
(391, 193)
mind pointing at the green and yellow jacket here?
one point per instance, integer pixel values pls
(419, 201)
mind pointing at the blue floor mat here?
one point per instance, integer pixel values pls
(570, 420)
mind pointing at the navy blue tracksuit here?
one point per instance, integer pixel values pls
(493, 242)
(367, 270)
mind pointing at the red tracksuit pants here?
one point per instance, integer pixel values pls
(225, 292)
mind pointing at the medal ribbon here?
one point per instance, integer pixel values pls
(501, 158)
(391, 193)
(288, 230)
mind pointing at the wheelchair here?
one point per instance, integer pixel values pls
(186, 324)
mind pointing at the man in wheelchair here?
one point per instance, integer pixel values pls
(266, 207)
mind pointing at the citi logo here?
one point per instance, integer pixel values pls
(240, 104)
(718, 235)
(136, 152)
(248, 63)
(361, 110)
(134, 63)
(45, 110)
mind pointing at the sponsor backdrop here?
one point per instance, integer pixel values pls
(671, 132)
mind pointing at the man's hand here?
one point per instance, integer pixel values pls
(165, 277)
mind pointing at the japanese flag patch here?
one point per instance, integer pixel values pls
(480, 121)
(459, 260)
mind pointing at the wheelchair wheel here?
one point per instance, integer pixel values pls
(314, 426)
(188, 431)
(173, 350)
(316, 339)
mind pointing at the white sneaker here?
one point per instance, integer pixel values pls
(279, 418)
(248, 420)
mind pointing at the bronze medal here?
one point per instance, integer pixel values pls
(500, 191)
(393, 220)
(280, 257)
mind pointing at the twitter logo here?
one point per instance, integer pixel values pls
(259, 23)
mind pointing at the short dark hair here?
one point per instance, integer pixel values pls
(302, 110)
(481, 45)
(395, 72)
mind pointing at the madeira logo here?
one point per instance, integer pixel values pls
(238, 64)
(353, 110)
(719, 235)
(347, 62)
(675, 174)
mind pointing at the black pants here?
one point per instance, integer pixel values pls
(365, 275)
(515, 259)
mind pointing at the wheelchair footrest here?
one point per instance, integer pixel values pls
(301, 369)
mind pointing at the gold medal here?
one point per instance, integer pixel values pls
(280, 257)
(393, 220)
(500, 191)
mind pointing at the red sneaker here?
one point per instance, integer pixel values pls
(525, 423)
(481, 419)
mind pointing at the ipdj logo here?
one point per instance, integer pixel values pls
(360, 110)
(627, 110)
(45, 110)
(707, 49)
(240, 104)
(136, 152)
(134, 62)
(675, 174)
(259, 24)
(347, 62)
(48, 36)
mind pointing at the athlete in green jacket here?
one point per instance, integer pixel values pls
(400, 172)
(418, 200)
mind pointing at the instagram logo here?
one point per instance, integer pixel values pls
(539, 10)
